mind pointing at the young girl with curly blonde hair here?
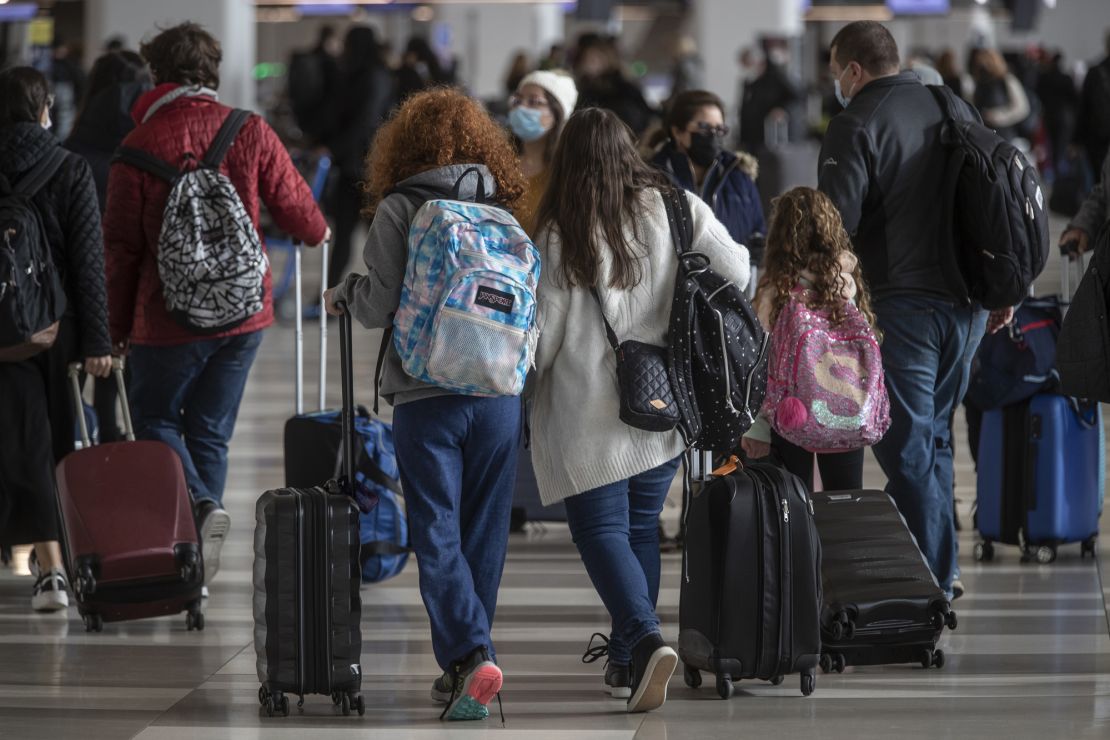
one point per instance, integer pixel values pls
(808, 249)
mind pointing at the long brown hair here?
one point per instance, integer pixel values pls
(807, 235)
(437, 128)
(597, 179)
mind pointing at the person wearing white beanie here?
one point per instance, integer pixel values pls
(537, 111)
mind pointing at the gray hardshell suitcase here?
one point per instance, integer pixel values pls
(306, 583)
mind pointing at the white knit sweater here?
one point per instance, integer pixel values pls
(578, 440)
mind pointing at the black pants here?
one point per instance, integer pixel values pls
(36, 431)
(842, 471)
(344, 204)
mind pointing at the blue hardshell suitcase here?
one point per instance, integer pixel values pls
(1040, 478)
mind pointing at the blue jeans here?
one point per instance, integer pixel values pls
(187, 395)
(616, 529)
(927, 349)
(457, 456)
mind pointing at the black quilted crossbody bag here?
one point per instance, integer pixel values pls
(643, 382)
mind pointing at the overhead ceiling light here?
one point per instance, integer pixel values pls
(423, 14)
(849, 12)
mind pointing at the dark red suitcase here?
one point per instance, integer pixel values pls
(131, 540)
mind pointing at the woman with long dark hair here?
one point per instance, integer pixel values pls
(36, 411)
(607, 254)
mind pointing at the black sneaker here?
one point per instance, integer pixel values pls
(442, 688)
(477, 681)
(213, 525)
(957, 589)
(617, 679)
(653, 664)
(50, 592)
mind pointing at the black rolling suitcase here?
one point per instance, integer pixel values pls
(751, 591)
(306, 583)
(881, 602)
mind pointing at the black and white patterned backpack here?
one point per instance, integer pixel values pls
(210, 258)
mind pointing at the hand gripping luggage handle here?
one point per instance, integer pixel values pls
(347, 414)
(299, 307)
(79, 407)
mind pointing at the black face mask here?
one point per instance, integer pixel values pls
(704, 148)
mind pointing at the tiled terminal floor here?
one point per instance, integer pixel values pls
(1031, 656)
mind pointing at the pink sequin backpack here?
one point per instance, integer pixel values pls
(825, 387)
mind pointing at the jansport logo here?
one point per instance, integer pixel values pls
(494, 299)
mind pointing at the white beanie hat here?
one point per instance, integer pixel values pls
(558, 84)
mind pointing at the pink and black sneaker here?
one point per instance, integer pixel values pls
(477, 681)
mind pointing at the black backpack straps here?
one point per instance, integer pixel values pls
(225, 137)
(40, 174)
(679, 218)
(943, 96)
(146, 162)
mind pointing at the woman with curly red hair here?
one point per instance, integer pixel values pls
(457, 453)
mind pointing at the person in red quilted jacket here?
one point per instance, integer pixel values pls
(186, 387)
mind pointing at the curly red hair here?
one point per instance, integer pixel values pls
(437, 128)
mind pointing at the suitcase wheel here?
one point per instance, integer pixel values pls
(85, 585)
(274, 703)
(833, 662)
(984, 552)
(336, 698)
(194, 619)
(360, 705)
(94, 623)
(724, 686)
(692, 676)
(826, 663)
(1043, 555)
(938, 659)
(777, 680)
(809, 683)
(1089, 547)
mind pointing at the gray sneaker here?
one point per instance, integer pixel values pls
(213, 525)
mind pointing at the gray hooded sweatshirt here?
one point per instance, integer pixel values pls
(373, 298)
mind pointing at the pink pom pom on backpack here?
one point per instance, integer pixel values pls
(791, 414)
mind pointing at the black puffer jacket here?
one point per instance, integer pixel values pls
(72, 221)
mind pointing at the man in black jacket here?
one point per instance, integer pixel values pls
(882, 163)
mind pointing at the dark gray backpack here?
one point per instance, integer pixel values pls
(32, 298)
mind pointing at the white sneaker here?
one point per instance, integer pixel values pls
(51, 592)
(214, 527)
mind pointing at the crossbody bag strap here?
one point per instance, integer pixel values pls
(609, 333)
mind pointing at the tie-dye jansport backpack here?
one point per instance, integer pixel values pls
(826, 391)
(468, 303)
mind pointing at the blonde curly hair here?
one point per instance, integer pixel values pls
(807, 235)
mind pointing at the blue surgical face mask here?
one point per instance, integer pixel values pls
(526, 123)
(843, 99)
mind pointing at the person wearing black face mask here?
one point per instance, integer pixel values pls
(693, 156)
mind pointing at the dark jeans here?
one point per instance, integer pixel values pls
(842, 471)
(457, 456)
(616, 529)
(188, 395)
(927, 349)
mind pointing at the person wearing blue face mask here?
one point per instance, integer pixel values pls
(537, 112)
(883, 163)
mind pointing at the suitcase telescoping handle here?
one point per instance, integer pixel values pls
(1068, 258)
(300, 329)
(347, 380)
(79, 406)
